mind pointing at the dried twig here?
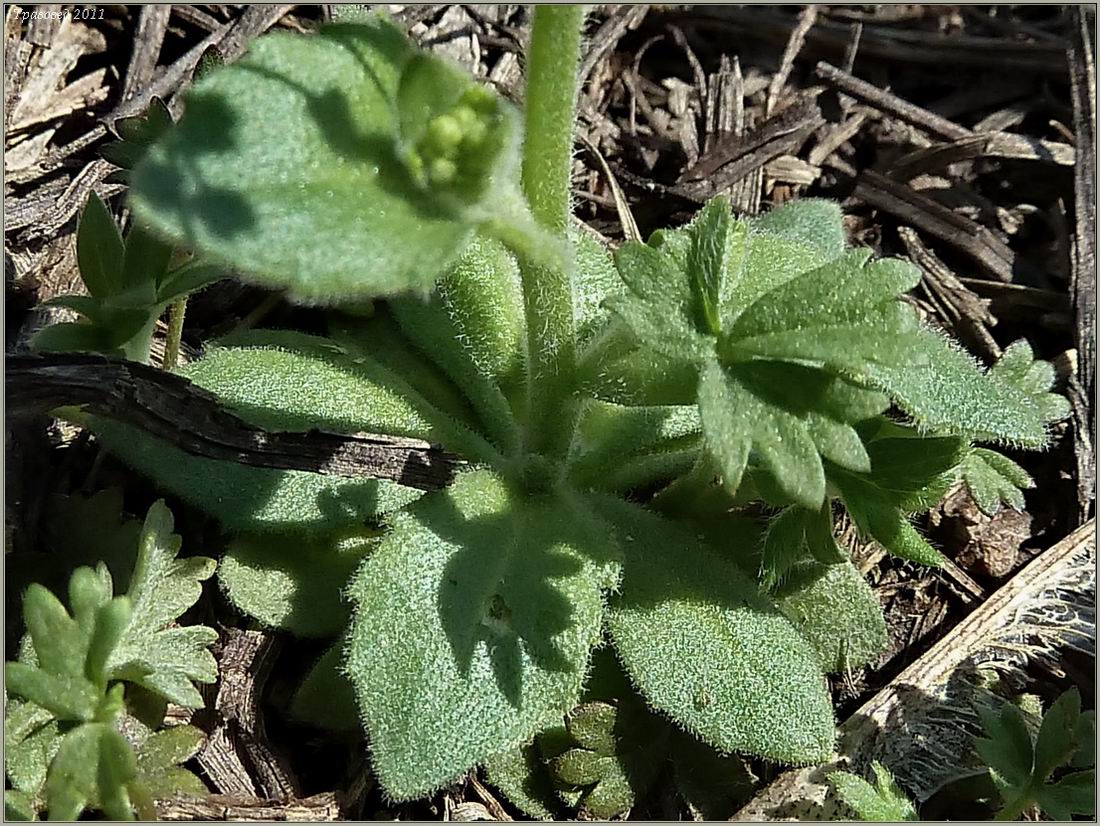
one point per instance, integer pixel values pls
(1083, 90)
(171, 408)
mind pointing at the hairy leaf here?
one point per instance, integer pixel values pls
(790, 416)
(477, 598)
(293, 582)
(883, 801)
(523, 778)
(614, 747)
(92, 768)
(706, 648)
(290, 381)
(816, 222)
(992, 479)
(950, 392)
(908, 474)
(472, 328)
(836, 610)
(336, 166)
(99, 249)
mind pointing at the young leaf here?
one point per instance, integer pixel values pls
(610, 435)
(292, 582)
(159, 763)
(1007, 748)
(137, 134)
(92, 767)
(1055, 744)
(704, 647)
(326, 697)
(304, 167)
(992, 479)
(883, 802)
(908, 474)
(99, 249)
(615, 747)
(446, 329)
(797, 534)
(152, 654)
(947, 391)
(836, 610)
(1074, 794)
(706, 261)
(477, 598)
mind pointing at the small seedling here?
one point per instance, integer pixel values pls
(84, 668)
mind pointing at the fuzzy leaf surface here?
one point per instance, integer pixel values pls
(292, 582)
(478, 609)
(614, 746)
(952, 393)
(992, 479)
(834, 608)
(908, 474)
(706, 648)
(338, 165)
(290, 381)
(882, 801)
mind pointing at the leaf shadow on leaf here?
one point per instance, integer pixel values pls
(224, 213)
(333, 117)
(517, 611)
(246, 497)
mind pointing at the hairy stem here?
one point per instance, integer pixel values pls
(175, 333)
(550, 110)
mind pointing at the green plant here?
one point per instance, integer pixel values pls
(729, 364)
(129, 284)
(1021, 759)
(108, 666)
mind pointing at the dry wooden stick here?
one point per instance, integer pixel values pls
(318, 808)
(171, 408)
(925, 214)
(1083, 91)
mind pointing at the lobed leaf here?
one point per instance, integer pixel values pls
(948, 391)
(992, 479)
(883, 802)
(478, 609)
(908, 474)
(150, 653)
